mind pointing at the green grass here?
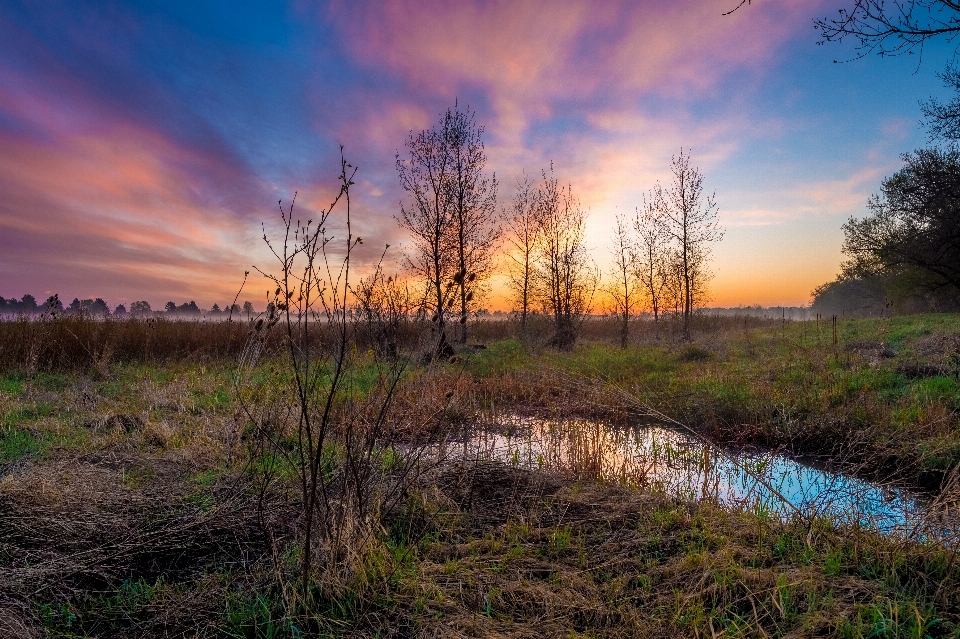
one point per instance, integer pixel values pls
(586, 561)
(784, 383)
(12, 384)
(497, 359)
(15, 444)
(778, 384)
(103, 614)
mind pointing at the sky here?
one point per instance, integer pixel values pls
(144, 146)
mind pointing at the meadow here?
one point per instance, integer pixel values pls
(137, 499)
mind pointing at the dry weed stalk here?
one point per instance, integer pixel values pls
(322, 412)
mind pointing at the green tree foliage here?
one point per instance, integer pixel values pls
(27, 304)
(914, 224)
(905, 253)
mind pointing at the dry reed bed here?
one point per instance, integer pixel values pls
(80, 343)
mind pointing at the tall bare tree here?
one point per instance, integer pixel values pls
(652, 256)
(623, 287)
(473, 198)
(692, 220)
(523, 223)
(426, 177)
(566, 278)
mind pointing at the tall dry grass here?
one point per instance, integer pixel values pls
(80, 342)
(73, 343)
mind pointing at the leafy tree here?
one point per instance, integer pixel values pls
(140, 308)
(171, 307)
(120, 310)
(247, 308)
(914, 223)
(99, 307)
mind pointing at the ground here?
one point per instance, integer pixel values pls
(131, 505)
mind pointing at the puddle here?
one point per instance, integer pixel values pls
(681, 465)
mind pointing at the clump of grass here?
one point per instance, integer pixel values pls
(694, 353)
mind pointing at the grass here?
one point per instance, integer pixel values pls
(128, 466)
(606, 561)
(779, 387)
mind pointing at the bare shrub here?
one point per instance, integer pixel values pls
(383, 309)
(318, 411)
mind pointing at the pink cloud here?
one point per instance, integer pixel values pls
(119, 206)
(527, 55)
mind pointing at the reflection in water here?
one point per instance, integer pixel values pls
(686, 467)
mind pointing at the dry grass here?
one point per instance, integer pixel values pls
(77, 530)
(72, 343)
(81, 343)
(129, 513)
(534, 556)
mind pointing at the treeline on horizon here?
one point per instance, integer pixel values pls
(28, 305)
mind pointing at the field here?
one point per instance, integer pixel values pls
(136, 499)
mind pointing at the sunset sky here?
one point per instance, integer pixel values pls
(143, 143)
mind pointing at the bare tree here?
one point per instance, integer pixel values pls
(473, 198)
(565, 278)
(892, 27)
(523, 228)
(382, 307)
(623, 289)
(652, 257)
(903, 27)
(700, 275)
(429, 219)
(691, 219)
(673, 279)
